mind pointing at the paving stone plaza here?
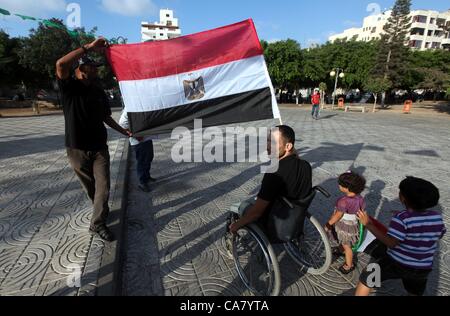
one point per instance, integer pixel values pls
(172, 241)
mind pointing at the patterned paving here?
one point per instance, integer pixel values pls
(174, 234)
(44, 214)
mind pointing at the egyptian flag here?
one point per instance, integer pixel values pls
(219, 76)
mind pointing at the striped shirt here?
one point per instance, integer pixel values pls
(419, 234)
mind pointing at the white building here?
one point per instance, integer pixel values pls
(167, 28)
(424, 34)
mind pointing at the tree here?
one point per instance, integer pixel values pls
(12, 73)
(356, 58)
(391, 62)
(43, 47)
(435, 80)
(430, 70)
(377, 85)
(49, 42)
(8, 58)
(284, 61)
(264, 45)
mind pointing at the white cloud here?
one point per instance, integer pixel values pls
(36, 8)
(130, 7)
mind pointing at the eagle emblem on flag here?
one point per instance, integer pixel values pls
(194, 89)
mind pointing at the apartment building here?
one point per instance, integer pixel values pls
(426, 31)
(167, 28)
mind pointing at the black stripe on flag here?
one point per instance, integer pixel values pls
(244, 107)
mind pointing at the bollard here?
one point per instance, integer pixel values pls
(341, 103)
(407, 107)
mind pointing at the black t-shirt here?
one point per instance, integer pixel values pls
(85, 109)
(293, 180)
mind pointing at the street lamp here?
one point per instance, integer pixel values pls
(338, 73)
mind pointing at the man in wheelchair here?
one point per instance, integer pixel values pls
(292, 181)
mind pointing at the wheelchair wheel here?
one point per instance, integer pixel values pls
(256, 262)
(312, 251)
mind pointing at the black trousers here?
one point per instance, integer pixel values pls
(144, 156)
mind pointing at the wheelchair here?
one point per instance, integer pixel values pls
(253, 253)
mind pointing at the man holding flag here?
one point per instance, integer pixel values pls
(86, 110)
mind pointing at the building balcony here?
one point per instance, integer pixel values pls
(418, 25)
(416, 37)
(158, 26)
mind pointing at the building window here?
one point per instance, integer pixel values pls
(427, 45)
(417, 31)
(415, 44)
(436, 45)
(167, 15)
(161, 34)
(432, 20)
(420, 19)
(430, 33)
(440, 22)
(169, 23)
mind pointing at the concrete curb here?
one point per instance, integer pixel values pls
(110, 271)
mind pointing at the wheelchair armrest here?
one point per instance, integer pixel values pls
(323, 191)
(288, 203)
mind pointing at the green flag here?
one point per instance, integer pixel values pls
(73, 33)
(24, 17)
(4, 12)
(53, 24)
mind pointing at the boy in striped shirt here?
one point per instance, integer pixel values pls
(412, 239)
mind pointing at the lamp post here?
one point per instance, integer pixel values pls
(338, 73)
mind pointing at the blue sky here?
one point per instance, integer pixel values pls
(305, 21)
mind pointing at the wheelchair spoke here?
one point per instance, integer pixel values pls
(311, 250)
(253, 263)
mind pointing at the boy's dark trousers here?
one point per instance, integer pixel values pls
(93, 170)
(315, 110)
(144, 156)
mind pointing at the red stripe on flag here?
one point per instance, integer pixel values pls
(379, 225)
(185, 54)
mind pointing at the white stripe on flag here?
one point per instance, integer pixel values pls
(224, 80)
(370, 238)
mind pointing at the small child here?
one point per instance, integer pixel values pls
(412, 239)
(343, 226)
